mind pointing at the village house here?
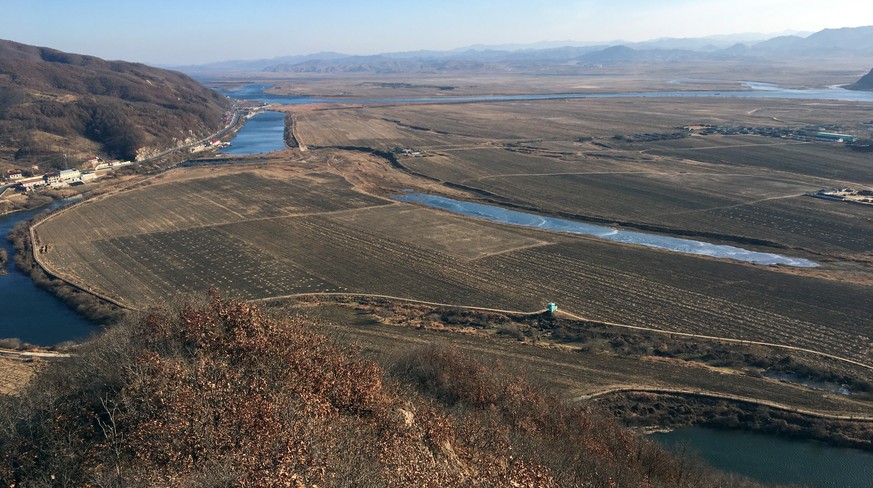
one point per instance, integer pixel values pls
(52, 178)
(27, 184)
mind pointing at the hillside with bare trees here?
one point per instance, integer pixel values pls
(54, 103)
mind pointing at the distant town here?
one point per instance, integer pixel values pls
(827, 133)
(25, 181)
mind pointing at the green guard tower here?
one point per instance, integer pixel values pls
(552, 307)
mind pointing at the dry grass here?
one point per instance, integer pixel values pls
(15, 373)
(563, 120)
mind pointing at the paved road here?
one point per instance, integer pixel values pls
(217, 135)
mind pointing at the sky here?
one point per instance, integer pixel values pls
(183, 32)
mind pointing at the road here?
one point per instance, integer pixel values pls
(217, 135)
(233, 123)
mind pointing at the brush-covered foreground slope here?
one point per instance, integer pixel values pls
(223, 394)
(54, 103)
(865, 83)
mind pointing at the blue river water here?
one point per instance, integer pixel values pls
(685, 246)
(29, 312)
(772, 459)
(263, 133)
(257, 92)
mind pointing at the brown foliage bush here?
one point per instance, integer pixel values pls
(218, 393)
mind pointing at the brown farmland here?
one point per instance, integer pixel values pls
(321, 222)
(560, 157)
(145, 246)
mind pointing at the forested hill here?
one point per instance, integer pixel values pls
(865, 83)
(54, 103)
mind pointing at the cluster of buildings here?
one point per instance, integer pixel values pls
(834, 137)
(55, 179)
(211, 144)
(99, 164)
(409, 151)
(62, 178)
(807, 134)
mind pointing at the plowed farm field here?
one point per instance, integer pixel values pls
(561, 157)
(382, 126)
(822, 160)
(274, 232)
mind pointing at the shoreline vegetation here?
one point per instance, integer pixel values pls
(290, 138)
(641, 410)
(31, 203)
(87, 305)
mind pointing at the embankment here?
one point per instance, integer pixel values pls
(86, 304)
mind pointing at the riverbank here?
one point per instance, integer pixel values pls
(23, 203)
(660, 411)
(275, 93)
(64, 314)
(264, 132)
(20, 362)
(85, 304)
(687, 246)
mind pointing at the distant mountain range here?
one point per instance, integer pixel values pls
(865, 83)
(54, 103)
(556, 58)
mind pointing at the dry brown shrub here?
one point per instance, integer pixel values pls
(218, 393)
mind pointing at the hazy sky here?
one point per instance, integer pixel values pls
(199, 31)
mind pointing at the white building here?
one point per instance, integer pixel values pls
(70, 175)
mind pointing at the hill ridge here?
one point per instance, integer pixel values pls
(865, 83)
(54, 103)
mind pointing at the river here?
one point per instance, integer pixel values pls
(258, 92)
(675, 244)
(772, 459)
(29, 312)
(263, 133)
